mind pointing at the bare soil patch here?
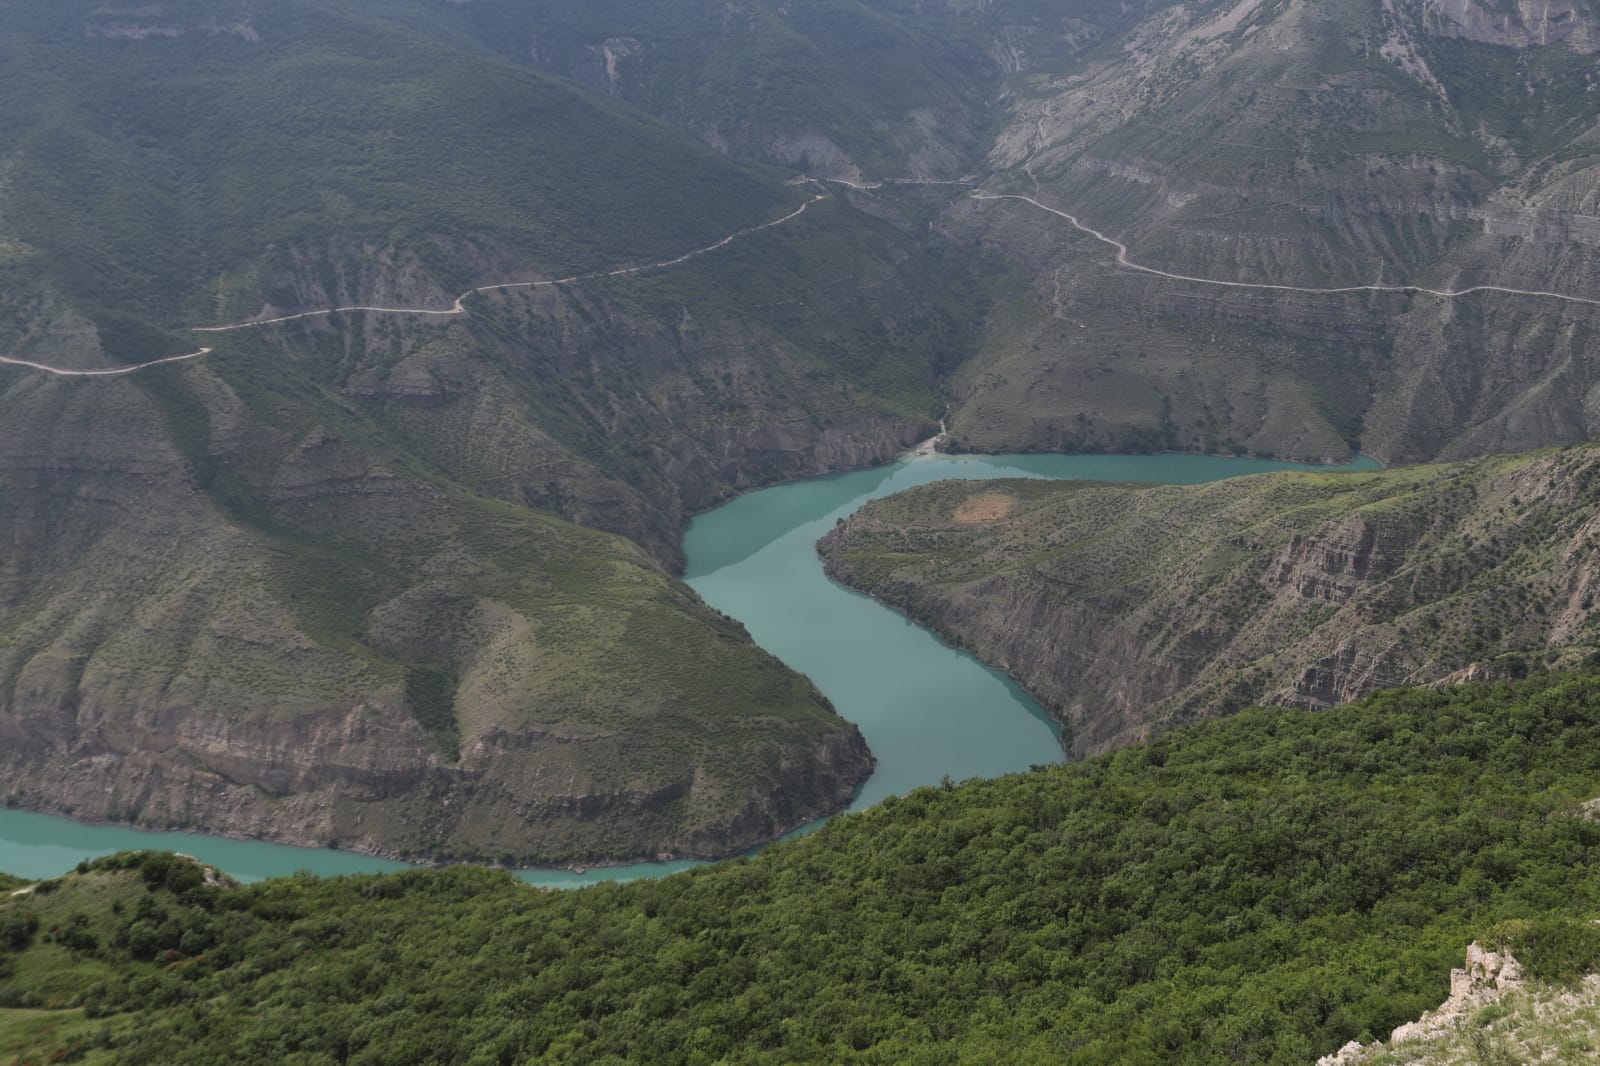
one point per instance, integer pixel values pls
(985, 507)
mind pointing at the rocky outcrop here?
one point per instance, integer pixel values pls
(1129, 610)
(1522, 24)
(1486, 976)
(1485, 979)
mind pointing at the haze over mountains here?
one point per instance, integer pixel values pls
(482, 299)
(444, 545)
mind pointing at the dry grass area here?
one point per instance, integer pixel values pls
(985, 507)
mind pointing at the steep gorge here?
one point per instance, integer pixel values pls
(324, 585)
(185, 163)
(284, 631)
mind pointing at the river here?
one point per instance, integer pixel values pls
(927, 711)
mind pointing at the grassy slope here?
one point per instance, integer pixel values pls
(150, 175)
(767, 79)
(1127, 608)
(194, 161)
(300, 155)
(1260, 889)
(331, 573)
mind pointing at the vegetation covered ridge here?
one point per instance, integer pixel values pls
(1128, 608)
(1123, 260)
(457, 308)
(1261, 889)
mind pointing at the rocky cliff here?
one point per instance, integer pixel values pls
(1128, 609)
(1300, 144)
(1494, 1014)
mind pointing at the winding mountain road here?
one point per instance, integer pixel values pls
(1129, 264)
(894, 181)
(109, 372)
(458, 307)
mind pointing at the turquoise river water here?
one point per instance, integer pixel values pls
(926, 710)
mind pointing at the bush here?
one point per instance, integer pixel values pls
(1554, 949)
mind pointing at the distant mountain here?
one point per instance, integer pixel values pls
(1316, 144)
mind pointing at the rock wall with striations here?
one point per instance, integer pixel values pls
(243, 596)
(1127, 610)
(1307, 144)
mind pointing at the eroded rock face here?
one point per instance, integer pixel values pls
(371, 781)
(563, 401)
(1523, 24)
(1312, 171)
(1128, 610)
(283, 627)
(1486, 977)
(1332, 563)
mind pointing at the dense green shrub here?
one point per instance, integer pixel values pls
(1551, 948)
(1259, 889)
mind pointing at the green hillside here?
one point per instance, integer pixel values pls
(158, 157)
(423, 600)
(1261, 889)
(861, 89)
(1129, 608)
(836, 87)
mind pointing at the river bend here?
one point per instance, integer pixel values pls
(926, 710)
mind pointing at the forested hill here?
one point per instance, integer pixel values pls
(1260, 889)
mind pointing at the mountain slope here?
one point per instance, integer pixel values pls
(347, 648)
(176, 164)
(321, 584)
(1127, 609)
(158, 159)
(1291, 143)
(838, 88)
(1262, 889)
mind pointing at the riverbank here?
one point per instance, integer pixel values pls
(927, 711)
